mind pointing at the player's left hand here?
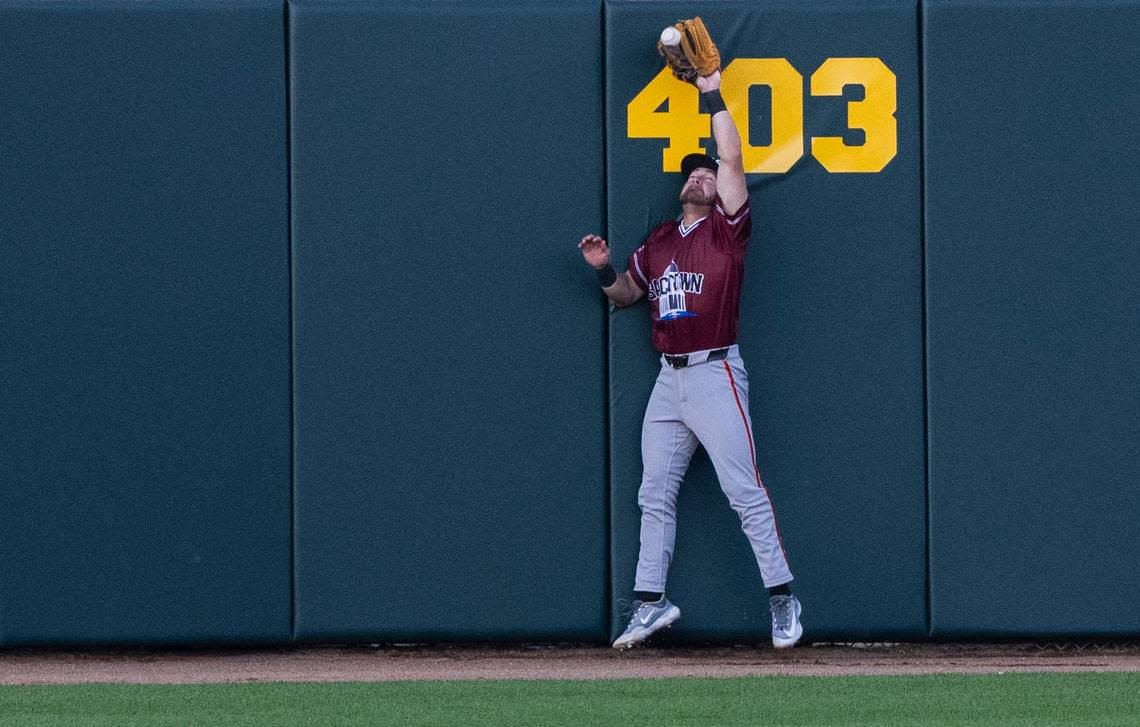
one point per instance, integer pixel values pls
(708, 83)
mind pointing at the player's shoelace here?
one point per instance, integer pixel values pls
(628, 609)
(782, 612)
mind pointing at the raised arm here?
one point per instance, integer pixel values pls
(619, 288)
(730, 183)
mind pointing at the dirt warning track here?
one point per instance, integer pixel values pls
(393, 663)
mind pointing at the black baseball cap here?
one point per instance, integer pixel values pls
(696, 160)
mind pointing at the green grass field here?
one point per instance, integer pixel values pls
(1010, 699)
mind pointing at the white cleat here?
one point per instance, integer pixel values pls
(786, 626)
(647, 619)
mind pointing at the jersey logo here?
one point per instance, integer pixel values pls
(670, 289)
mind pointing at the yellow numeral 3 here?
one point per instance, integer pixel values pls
(875, 115)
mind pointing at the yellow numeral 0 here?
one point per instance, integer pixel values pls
(787, 110)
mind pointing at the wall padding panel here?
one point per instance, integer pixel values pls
(450, 379)
(831, 330)
(144, 299)
(1033, 277)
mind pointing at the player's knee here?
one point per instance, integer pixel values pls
(652, 494)
(648, 499)
(746, 500)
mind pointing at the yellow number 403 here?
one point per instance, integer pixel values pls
(684, 125)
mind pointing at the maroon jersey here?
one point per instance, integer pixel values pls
(693, 276)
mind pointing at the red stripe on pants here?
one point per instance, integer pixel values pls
(752, 453)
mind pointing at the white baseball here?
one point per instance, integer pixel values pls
(670, 36)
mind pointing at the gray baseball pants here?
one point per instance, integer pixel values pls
(704, 403)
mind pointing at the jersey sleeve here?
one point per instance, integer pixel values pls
(732, 233)
(637, 267)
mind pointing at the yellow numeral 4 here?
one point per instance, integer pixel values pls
(681, 122)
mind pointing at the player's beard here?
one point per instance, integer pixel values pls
(694, 195)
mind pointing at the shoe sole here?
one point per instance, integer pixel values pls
(660, 624)
(789, 643)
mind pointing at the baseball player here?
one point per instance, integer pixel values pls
(691, 269)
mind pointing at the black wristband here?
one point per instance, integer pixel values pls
(606, 276)
(713, 101)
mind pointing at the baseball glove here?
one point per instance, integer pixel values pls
(695, 54)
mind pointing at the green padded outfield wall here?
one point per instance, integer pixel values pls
(449, 444)
(449, 342)
(144, 304)
(1033, 278)
(831, 328)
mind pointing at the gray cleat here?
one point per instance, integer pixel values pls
(786, 626)
(647, 619)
